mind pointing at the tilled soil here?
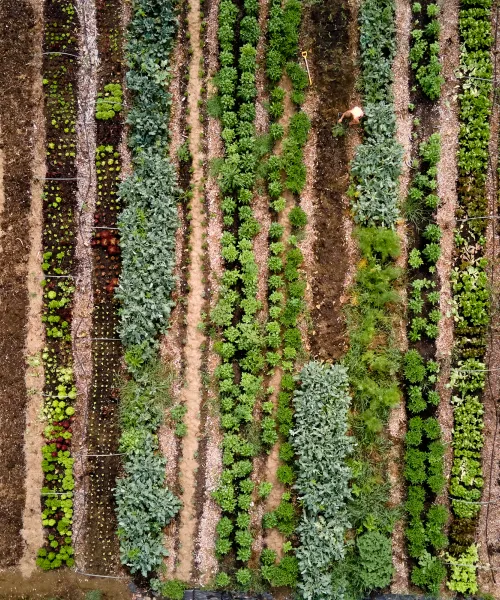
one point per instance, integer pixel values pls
(17, 74)
(332, 52)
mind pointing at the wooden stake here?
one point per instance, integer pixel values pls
(304, 54)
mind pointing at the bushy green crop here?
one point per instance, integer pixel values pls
(320, 440)
(147, 229)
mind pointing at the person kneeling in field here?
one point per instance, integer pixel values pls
(355, 114)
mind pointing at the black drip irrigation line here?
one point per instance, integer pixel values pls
(58, 178)
(476, 218)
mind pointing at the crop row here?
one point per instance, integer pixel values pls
(285, 174)
(58, 251)
(424, 52)
(101, 543)
(283, 171)
(322, 446)
(373, 359)
(236, 313)
(471, 295)
(424, 456)
(147, 228)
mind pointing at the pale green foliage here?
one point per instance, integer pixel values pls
(320, 441)
(109, 102)
(147, 226)
(463, 571)
(376, 168)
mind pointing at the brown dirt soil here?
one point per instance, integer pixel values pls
(332, 52)
(447, 191)
(210, 445)
(397, 419)
(488, 532)
(172, 344)
(32, 518)
(17, 73)
(61, 584)
(191, 394)
(83, 299)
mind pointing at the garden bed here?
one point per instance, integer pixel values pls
(249, 346)
(16, 138)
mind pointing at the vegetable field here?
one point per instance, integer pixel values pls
(247, 347)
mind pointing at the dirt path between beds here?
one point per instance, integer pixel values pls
(397, 419)
(35, 336)
(210, 446)
(447, 192)
(191, 394)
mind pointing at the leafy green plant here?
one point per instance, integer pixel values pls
(109, 102)
(320, 436)
(147, 230)
(375, 553)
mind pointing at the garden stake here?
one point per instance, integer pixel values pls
(304, 54)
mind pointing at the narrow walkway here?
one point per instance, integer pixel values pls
(35, 336)
(191, 394)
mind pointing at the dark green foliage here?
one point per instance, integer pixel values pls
(414, 368)
(471, 294)
(298, 217)
(283, 574)
(424, 52)
(424, 451)
(375, 553)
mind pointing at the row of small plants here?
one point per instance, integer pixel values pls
(285, 171)
(58, 251)
(424, 51)
(102, 432)
(424, 455)
(471, 295)
(373, 360)
(236, 315)
(320, 441)
(286, 290)
(147, 228)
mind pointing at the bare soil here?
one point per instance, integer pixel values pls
(192, 395)
(34, 376)
(210, 445)
(83, 299)
(172, 345)
(447, 191)
(332, 55)
(62, 584)
(17, 73)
